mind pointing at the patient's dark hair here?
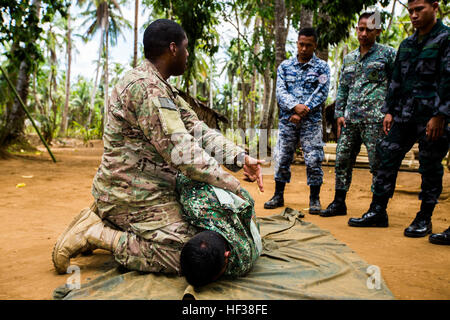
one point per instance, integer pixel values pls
(203, 257)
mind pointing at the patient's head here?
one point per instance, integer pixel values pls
(204, 258)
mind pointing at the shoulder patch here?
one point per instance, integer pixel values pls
(167, 103)
(323, 78)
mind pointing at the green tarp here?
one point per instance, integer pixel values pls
(299, 261)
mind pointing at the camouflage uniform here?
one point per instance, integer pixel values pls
(203, 207)
(362, 88)
(150, 136)
(419, 90)
(308, 84)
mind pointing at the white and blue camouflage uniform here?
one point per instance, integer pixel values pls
(308, 84)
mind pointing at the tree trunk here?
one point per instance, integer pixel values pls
(280, 32)
(136, 15)
(16, 117)
(322, 49)
(267, 39)
(65, 112)
(273, 104)
(254, 77)
(105, 109)
(306, 18)
(211, 83)
(94, 90)
(243, 102)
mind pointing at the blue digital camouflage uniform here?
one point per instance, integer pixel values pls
(308, 84)
(210, 208)
(419, 90)
(363, 84)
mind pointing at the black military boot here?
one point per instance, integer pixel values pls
(375, 217)
(314, 200)
(277, 199)
(421, 225)
(441, 238)
(337, 207)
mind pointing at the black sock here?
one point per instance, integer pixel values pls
(279, 187)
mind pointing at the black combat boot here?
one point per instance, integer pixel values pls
(314, 200)
(421, 225)
(277, 199)
(441, 238)
(337, 207)
(376, 216)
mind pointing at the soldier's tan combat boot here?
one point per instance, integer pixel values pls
(103, 237)
(73, 240)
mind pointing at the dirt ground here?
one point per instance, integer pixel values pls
(32, 217)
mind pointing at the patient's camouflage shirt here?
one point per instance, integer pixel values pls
(203, 209)
(363, 84)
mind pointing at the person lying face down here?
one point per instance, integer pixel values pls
(229, 242)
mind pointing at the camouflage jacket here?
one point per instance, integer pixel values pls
(151, 134)
(420, 86)
(204, 208)
(363, 84)
(305, 83)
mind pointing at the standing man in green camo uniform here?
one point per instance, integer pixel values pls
(417, 109)
(151, 135)
(363, 84)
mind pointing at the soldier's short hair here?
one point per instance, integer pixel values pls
(308, 32)
(203, 257)
(158, 36)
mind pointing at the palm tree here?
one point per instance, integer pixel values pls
(107, 17)
(136, 15)
(69, 65)
(16, 117)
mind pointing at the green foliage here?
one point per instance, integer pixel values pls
(87, 133)
(198, 19)
(22, 27)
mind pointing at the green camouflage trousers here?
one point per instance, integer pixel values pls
(153, 238)
(348, 147)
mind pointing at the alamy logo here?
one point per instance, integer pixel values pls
(74, 281)
(374, 280)
(374, 21)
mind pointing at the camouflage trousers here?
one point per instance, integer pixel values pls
(310, 136)
(348, 147)
(151, 242)
(393, 148)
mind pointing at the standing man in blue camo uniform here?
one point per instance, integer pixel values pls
(363, 84)
(302, 88)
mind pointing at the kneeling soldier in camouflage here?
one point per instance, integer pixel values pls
(148, 141)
